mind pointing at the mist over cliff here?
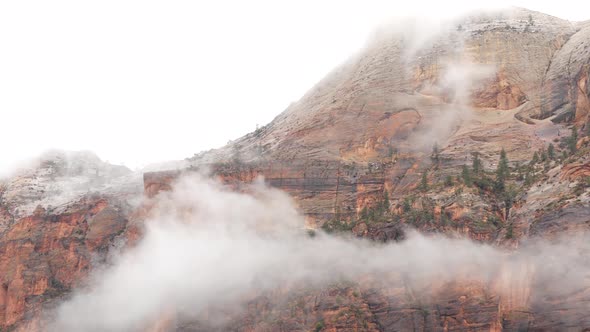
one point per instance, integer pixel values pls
(207, 249)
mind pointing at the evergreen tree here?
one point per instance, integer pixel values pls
(466, 175)
(477, 168)
(407, 205)
(364, 213)
(435, 153)
(543, 154)
(573, 140)
(551, 151)
(502, 172)
(535, 158)
(384, 203)
(509, 231)
(424, 181)
(509, 197)
(449, 181)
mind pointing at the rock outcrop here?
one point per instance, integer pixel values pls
(59, 218)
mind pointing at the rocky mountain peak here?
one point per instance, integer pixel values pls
(58, 178)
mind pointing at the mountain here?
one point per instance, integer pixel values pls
(407, 133)
(514, 80)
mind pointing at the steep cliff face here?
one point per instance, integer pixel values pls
(58, 217)
(398, 87)
(356, 153)
(565, 89)
(321, 188)
(513, 80)
(350, 307)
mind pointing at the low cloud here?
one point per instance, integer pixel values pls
(205, 246)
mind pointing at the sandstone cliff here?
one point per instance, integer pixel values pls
(355, 152)
(57, 217)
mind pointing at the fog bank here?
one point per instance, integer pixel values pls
(206, 246)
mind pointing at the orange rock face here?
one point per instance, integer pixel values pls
(320, 188)
(361, 137)
(45, 255)
(576, 171)
(500, 94)
(156, 182)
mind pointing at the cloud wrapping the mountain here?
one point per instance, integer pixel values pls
(206, 246)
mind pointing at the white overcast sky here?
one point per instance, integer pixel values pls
(146, 81)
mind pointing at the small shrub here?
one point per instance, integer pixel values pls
(407, 205)
(449, 181)
(337, 226)
(494, 220)
(466, 175)
(509, 231)
(319, 326)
